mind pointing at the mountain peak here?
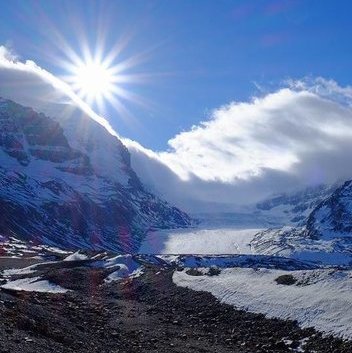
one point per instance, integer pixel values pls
(69, 182)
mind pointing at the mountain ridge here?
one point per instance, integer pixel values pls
(70, 183)
(324, 236)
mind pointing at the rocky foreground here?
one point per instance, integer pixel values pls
(144, 314)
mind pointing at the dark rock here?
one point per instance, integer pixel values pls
(287, 280)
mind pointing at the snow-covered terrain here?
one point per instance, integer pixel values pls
(199, 241)
(37, 277)
(325, 236)
(295, 243)
(68, 182)
(321, 295)
(321, 292)
(33, 284)
(319, 298)
(291, 208)
(316, 294)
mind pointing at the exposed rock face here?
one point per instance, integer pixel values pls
(70, 183)
(333, 216)
(294, 208)
(26, 134)
(325, 236)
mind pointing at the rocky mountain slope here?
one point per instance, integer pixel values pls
(290, 208)
(69, 182)
(333, 216)
(293, 208)
(324, 236)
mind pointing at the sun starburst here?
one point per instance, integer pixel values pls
(102, 78)
(93, 80)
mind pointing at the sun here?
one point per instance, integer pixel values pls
(93, 81)
(101, 69)
(105, 79)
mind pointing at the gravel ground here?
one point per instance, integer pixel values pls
(145, 314)
(17, 262)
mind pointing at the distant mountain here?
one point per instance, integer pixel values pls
(293, 208)
(325, 236)
(276, 211)
(69, 182)
(332, 218)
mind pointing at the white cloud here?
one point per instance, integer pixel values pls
(6, 54)
(275, 132)
(296, 137)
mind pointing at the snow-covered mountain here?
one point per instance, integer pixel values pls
(293, 208)
(324, 236)
(333, 216)
(69, 182)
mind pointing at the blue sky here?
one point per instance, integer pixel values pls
(198, 55)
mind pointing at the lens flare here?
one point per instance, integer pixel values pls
(93, 81)
(97, 67)
(100, 79)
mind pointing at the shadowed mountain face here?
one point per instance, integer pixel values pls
(324, 236)
(69, 183)
(333, 216)
(294, 208)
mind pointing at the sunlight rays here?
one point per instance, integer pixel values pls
(92, 80)
(103, 78)
(98, 78)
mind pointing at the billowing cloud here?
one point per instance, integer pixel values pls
(299, 136)
(279, 132)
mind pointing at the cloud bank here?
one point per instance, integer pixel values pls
(298, 136)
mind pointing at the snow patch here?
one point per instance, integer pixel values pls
(123, 272)
(319, 298)
(125, 266)
(77, 256)
(34, 284)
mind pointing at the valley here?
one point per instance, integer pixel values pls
(145, 312)
(152, 302)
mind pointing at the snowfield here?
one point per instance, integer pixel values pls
(319, 298)
(199, 241)
(294, 243)
(34, 284)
